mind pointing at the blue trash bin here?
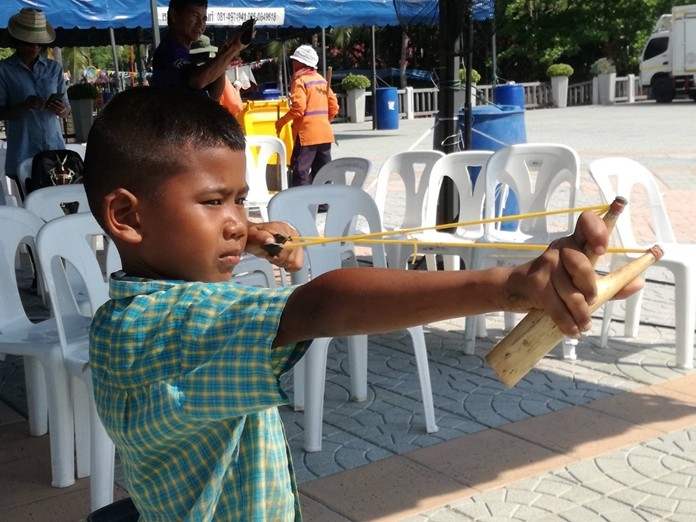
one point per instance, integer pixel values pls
(493, 127)
(387, 108)
(509, 94)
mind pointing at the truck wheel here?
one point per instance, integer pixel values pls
(692, 94)
(662, 90)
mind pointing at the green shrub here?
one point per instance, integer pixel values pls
(559, 69)
(355, 81)
(83, 91)
(475, 76)
(602, 66)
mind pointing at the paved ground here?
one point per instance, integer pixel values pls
(601, 465)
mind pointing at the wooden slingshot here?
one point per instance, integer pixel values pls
(535, 335)
(517, 353)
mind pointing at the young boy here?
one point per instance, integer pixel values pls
(186, 364)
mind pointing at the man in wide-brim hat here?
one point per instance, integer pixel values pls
(27, 82)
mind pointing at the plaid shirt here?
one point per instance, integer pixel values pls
(186, 384)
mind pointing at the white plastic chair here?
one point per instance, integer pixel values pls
(49, 202)
(626, 177)
(260, 150)
(53, 202)
(63, 242)
(462, 168)
(402, 181)
(296, 206)
(47, 380)
(344, 171)
(543, 176)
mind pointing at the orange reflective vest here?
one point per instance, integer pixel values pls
(313, 105)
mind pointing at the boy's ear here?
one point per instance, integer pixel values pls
(121, 216)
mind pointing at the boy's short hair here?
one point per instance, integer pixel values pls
(141, 136)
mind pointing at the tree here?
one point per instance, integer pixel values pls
(536, 33)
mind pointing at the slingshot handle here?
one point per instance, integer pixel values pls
(537, 334)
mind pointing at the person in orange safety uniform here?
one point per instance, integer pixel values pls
(313, 105)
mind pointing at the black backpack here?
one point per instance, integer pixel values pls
(55, 167)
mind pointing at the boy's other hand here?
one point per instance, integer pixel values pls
(290, 259)
(562, 281)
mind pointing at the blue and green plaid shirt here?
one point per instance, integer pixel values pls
(186, 384)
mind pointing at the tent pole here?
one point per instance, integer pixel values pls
(323, 52)
(374, 81)
(114, 54)
(445, 131)
(155, 24)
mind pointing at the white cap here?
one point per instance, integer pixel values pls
(306, 54)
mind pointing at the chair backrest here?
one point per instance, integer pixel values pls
(466, 169)
(254, 271)
(80, 148)
(296, 206)
(344, 171)
(19, 227)
(261, 150)
(543, 176)
(403, 181)
(623, 177)
(24, 173)
(68, 242)
(53, 202)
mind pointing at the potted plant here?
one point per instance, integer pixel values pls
(355, 86)
(605, 72)
(559, 73)
(81, 97)
(475, 78)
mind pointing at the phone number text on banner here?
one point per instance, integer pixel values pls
(236, 15)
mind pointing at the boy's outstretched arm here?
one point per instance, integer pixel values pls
(561, 281)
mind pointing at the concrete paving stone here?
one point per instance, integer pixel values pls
(661, 506)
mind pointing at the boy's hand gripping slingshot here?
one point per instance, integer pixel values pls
(533, 337)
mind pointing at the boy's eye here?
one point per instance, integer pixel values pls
(213, 202)
(241, 201)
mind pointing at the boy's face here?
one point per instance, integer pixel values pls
(196, 228)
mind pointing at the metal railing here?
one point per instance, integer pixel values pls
(415, 103)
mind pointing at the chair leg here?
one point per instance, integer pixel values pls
(450, 262)
(685, 315)
(36, 396)
(470, 327)
(569, 346)
(606, 324)
(298, 379)
(421, 353)
(60, 423)
(315, 380)
(357, 359)
(633, 306)
(81, 416)
(431, 262)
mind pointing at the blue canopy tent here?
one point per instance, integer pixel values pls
(132, 14)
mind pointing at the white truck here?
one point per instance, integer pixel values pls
(668, 62)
